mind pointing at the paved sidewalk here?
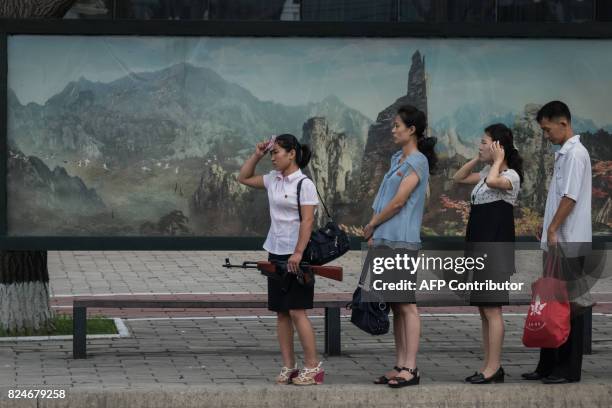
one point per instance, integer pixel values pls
(231, 360)
(180, 355)
(244, 350)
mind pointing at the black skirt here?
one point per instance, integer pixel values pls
(287, 294)
(489, 225)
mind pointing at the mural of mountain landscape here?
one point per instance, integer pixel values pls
(154, 147)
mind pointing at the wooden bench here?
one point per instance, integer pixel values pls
(79, 311)
(332, 315)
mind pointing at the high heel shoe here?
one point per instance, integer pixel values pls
(383, 379)
(287, 375)
(310, 376)
(498, 377)
(402, 382)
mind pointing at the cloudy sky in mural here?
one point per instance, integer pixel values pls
(364, 73)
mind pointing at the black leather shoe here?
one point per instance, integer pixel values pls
(498, 377)
(532, 376)
(471, 377)
(551, 379)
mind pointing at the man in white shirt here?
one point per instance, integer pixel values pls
(567, 225)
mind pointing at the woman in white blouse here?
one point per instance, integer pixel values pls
(286, 241)
(492, 221)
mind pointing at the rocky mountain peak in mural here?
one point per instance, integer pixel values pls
(538, 158)
(215, 178)
(331, 162)
(417, 84)
(222, 206)
(172, 113)
(379, 144)
(41, 197)
(76, 95)
(341, 118)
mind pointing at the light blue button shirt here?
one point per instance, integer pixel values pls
(403, 230)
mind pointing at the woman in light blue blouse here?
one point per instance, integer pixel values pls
(396, 223)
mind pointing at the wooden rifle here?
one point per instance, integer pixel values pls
(270, 268)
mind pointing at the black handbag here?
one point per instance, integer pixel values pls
(327, 243)
(371, 317)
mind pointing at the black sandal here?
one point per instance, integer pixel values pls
(382, 380)
(402, 382)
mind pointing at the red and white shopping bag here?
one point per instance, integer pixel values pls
(548, 320)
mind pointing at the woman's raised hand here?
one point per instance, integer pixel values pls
(498, 153)
(260, 149)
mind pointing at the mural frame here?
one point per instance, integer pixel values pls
(8, 27)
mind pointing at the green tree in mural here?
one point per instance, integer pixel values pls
(24, 276)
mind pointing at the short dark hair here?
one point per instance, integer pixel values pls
(554, 110)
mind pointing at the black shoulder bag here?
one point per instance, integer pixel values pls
(371, 317)
(327, 243)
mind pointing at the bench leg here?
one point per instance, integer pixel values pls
(79, 330)
(332, 331)
(588, 331)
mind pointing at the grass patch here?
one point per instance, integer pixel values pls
(61, 325)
